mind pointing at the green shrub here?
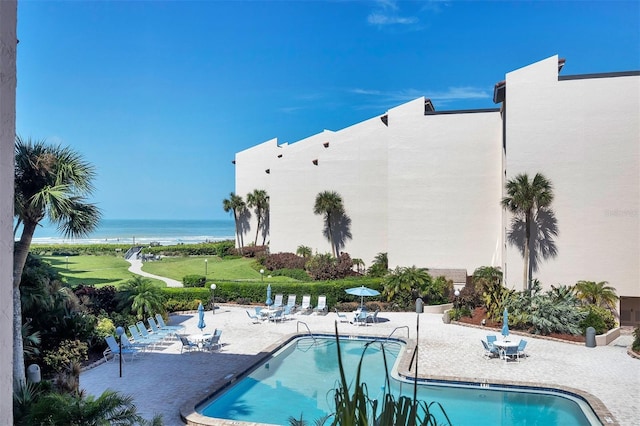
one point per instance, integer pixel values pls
(220, 248)
(599, 318)
(274, 262)
(327, 267)
(456, 313)
(69, 351)
(105, 328)
(296, 274)
(194, 280)
(636, 341)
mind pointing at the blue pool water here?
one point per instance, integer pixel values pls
(299, 379)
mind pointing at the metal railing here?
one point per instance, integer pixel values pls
(397, 328)
(308, 330)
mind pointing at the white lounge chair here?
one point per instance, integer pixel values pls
(277, 302)
(291, 302)
(306, 304)
(361, 318)
(373, 316)
(322, 305)
(342, 317)
(254, 318)
(164, 326)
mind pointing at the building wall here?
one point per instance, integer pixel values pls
(583, 135)
(426, 187)
(8, 11)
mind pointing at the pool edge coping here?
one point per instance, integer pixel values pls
(191, 417)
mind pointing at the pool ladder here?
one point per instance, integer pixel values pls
(398, 328)
(308, 330)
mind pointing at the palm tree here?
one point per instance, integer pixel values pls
(404, 280)
(524, 198)
(259, 200)
(380, 266)
(303, 251)
(235, 204)
(141, 297)
(329, 204)
(599, 294)
(51, 182)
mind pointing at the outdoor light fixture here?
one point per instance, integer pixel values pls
(206, 263)
(262, 275)
(120, 332)
(457, 294)
(213, 298)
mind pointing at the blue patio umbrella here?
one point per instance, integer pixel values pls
(505, 323)
(269, 302)
(201, 324)
(362, 291)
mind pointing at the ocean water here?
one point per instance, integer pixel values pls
(142, 231)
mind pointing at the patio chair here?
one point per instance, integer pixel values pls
(153, 338)
(361, 318)
(373, 316)
(306, 307)
(126, 343)
(277, 302)
(341, 317)
(510, 353)
(213, 343)
(139, 338)
(164, 326)
(254, 318)
(490, 351)
(322, 305)
(291, 302)
(491, 338)
(187, 344)
(286, 312)
(521, 346)
(157, 330)
(276, 316)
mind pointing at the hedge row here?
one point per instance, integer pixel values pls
(220, 248)
(79, 249)
(256, 292)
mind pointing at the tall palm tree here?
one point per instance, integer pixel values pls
(259, 200)
(524, 198)
(51, 182)
(329, 204)
(599, 294)
(235, 204)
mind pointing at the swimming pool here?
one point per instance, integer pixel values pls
(300, 377)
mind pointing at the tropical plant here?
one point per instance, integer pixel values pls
(411, 280)
(327, 267)
(524, 198)
(259, 200)
(599, 294)
(67, 353)
(487, 277)
(562, 293)
(51, 182)
(330, 205)
(380, 266)
(236, 204)
(359, 264)
(599, 318)
(636, 339)
(141, 297)
(110, 408)
(303, 251)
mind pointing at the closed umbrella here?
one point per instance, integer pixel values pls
(362, 291)
(201, 324)
(505, 323)
(269, 302)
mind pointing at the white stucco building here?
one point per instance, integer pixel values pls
(425, 186)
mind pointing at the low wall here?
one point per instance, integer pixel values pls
(437, 309)
(608, 337)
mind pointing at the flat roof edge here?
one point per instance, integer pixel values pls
(462, 111)
(599, 75)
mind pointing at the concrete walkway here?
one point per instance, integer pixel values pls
(164, 380)
(136, 268)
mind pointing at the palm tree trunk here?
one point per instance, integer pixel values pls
(333, 247)
(257, 231)
(235, 218)
(527, 237)
(19, 260)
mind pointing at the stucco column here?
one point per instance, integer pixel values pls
(8, 18)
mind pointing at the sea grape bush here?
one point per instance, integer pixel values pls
(277, 261)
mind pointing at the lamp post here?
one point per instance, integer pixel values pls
(262, 275)
(206, 265)
(67, 261)
(120, 332)
(213, 299)
(457, 294)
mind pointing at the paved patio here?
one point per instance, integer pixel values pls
(163, 380)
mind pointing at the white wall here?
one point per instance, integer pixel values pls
(8, 13)
(584, 135)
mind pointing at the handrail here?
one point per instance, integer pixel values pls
(308, 330)
(394, 330)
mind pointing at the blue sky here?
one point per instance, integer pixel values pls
(159, 96)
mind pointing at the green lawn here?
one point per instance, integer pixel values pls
(216, 268)
(93, 270)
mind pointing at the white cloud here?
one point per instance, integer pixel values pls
(392, 98)
(382, 19)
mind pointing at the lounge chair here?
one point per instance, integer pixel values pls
(322, 305)
(361, 318)
(213, 343)
(286, 311)
(187, 344)
(254, 318)
(139, 338)
(306, 307)
(153, 338)
(373, 316)
(277, 302)
(157, 330)
(521, 346)
(490, 351)
(341, 317)
(126, 343)
(164, 326)
(114, 349)
(291, 302)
